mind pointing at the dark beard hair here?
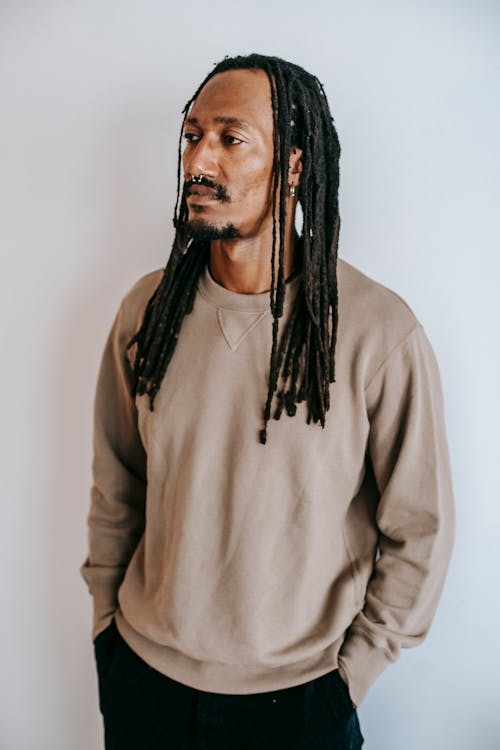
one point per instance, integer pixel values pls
(202, 231)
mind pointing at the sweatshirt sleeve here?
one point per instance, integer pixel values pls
(117, 500)
(408, 449)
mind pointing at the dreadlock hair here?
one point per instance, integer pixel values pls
(305, 355)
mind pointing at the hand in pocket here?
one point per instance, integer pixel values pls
(104, 648)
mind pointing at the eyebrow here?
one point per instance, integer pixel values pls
(222, 119)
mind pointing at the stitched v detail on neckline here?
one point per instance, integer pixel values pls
(237, 324)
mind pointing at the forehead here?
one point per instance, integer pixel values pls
(244, 95)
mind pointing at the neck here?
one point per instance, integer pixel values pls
(244, 264)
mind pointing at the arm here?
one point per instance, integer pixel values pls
(408, 450)
(116, 517)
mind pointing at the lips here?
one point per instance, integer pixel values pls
(202, 191)
(202, 195)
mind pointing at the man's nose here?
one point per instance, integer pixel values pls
(200, 158)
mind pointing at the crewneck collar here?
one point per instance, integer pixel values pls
(219, 296)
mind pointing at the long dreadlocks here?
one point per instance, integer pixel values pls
(305, 355)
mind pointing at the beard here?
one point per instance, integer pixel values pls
(204, 231)
(200, 229)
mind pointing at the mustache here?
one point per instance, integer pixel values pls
(220, 191)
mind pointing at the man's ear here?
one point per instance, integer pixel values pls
(295, 166)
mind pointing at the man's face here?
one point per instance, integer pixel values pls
(229, 139)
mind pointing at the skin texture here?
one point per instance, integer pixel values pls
(229, 138)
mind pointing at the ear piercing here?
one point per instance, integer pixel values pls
(292, 190)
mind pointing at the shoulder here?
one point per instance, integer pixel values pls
(362, 294)
(373, 319)
(135, 300)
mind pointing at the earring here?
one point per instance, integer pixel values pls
(292, 190)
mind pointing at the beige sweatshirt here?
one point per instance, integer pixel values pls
(235, 567)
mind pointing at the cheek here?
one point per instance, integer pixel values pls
(253, 184)
(184, 155)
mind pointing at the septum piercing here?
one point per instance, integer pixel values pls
(197, 179)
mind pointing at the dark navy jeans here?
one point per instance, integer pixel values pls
(145, 710)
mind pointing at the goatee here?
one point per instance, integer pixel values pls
(203, 231)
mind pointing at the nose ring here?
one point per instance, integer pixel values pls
(199, 178)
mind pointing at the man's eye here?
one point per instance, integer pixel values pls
(231, 140)
(191, 137)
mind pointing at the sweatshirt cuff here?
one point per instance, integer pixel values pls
(103, 585)
(360, 663)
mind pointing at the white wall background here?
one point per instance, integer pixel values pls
(90, 96)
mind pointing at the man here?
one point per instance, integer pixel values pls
(256, 562)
